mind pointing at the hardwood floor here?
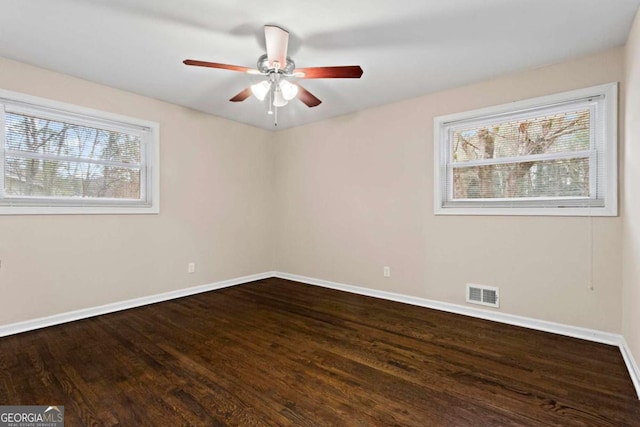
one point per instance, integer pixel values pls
(276, 352)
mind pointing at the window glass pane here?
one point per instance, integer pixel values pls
(57, 178)
(547, 134)
(51, 137)
(548, 178)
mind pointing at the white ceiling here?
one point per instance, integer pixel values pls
(406, 48)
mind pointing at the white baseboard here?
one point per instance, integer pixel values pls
(634, 372)
(511, 319)
(56, 319)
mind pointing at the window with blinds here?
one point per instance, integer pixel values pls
(58, 158)
(555, 155)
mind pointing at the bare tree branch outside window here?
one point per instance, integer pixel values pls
(49, 158)
(516, 140)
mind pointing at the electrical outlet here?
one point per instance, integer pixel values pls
(191, 268)
(386, 271)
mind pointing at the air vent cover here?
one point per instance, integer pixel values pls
(483, 295)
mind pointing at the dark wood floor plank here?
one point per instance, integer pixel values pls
(398, 367)
(460, 330)
(276, 352)
(480, 362)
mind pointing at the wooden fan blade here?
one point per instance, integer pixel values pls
(344, 72)
(216, 65)
(307, 97)
(242, 95)
(277, 41)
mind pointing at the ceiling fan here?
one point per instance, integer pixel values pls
(279, 70)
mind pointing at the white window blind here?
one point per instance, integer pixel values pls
(553, 156)
(73, 160)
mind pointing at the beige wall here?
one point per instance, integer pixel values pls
(631, 196)
(216, 200)
(355, 193)
(334, 200)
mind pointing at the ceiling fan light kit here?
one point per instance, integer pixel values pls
(281, 89)
(278, 69)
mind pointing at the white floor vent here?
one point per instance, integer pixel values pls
(483, 295)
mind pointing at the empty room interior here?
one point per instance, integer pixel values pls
(422, 213)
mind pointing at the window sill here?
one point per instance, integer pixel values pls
(76, 210)
(551, 211)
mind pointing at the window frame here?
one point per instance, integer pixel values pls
(532, 206)
(148, 131)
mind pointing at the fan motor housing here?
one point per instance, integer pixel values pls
(264, 67)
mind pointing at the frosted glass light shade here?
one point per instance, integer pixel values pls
(289, 90)
(260, 90)
(278, 99)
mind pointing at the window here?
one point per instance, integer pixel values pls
(555, 155)
(57, 158)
